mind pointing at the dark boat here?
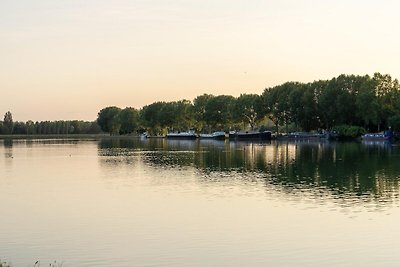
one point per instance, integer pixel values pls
(250, 136)
(302, 136)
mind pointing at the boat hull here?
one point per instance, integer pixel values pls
(375, 138)
(261, 136)
(182, 135)
(213, 136)
(303, 136)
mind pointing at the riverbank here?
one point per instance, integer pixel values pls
(64, 136)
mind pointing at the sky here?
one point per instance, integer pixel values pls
(67, 59)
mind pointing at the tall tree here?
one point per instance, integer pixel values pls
(199, 110)
(108, 120)
(150, 117)
(309, 119)
(386, 90)
(277, 103)
(184, 114)
(129, 118)
(367, 106)
(8, 123)
(219, 110)
(247, 109)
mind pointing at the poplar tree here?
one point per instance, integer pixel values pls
(8, 123)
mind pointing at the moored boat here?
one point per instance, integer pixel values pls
(375, 137)
(251, 136)
(386, 136)
(302, 136)
(215, 135)
(145, 135)
(182, 135)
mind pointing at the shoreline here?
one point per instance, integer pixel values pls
(65, 136)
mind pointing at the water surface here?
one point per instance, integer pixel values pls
(132, 202)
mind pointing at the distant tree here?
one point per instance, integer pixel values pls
(150, 117)
(276, 101)
(307, 114)
(219, 111)
(8, 123)
(372, 103)
(387, 91)
(199, 110)
(108, 120)
(327, 105)
(129, 119)
(184, 114)
(367, 106)
(93, 128)
(30, 127)
(167, 116)
(296, 106)
(19, 128)
(247, 109)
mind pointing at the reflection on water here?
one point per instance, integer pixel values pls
(8, 145)
(121, 202)
(344, 172)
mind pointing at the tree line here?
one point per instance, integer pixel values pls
(368, 102)
(372, 103)
(8, 127)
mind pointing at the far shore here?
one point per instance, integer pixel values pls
(64, 136)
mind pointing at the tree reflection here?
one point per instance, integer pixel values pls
(8, 148)
(340, 169)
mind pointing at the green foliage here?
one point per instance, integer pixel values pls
(129, 119)
(346, 99)
(347, 131)
(219, 111)
(8, 124)
(150, 116)
(368, 102)
(247, 109)
(367, 105)
(108, 120)
(199, 110)
(283, 103)
(54, 127)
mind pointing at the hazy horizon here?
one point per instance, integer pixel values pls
(67, 60)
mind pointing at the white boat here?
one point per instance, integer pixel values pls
(215, 135)
(182, 135)
(376, 137)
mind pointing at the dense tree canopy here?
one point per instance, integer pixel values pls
(372, 103)
(129, 119)
(115, 121)
(109, 120)
(248, 109)
(369, 102)
(52, 128)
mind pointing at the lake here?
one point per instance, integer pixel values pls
(130, 202)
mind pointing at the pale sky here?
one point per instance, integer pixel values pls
(67, 59)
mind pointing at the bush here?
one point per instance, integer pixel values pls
(347, 131)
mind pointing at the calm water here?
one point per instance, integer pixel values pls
(119, 203)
